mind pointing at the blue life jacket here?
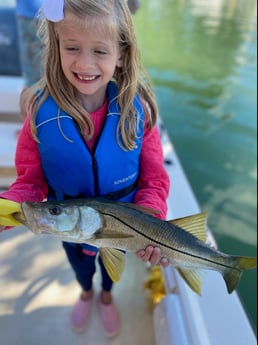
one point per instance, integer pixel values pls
(71, 170)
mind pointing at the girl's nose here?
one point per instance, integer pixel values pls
(85, 60)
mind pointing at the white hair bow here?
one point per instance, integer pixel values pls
(53, 10)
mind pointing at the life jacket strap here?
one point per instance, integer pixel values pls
(122, 192)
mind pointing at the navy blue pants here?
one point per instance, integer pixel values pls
(84, 267)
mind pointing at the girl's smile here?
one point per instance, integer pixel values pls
(86, 78)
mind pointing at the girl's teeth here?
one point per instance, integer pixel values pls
(85, 78)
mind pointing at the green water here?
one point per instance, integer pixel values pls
(201, 56)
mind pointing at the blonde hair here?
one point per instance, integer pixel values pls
(131, 78)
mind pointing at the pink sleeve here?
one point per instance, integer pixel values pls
(30, 184)
(154, 181)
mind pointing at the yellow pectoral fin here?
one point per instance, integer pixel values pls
(8, 207)
(192, 278)
(9, 220)
(114, 262)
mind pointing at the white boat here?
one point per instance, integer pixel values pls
(35, 302)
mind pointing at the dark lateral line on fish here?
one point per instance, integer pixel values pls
(165, 245)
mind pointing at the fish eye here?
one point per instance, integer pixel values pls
(55, 211)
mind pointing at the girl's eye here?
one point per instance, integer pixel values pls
(100, 52)
(71, 49)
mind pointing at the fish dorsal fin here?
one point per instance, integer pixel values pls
(195, 225)
(114, 262)
(193, 279)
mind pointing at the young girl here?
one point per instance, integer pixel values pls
(91, 131)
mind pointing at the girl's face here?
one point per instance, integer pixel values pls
(88, 60)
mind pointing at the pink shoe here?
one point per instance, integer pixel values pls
(80, 315)
(110, 318)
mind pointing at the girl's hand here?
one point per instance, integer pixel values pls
(153, 255)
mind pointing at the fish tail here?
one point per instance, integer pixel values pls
(232, 276)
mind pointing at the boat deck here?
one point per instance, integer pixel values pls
(38, 287)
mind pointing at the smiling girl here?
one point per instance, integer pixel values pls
(91, 131)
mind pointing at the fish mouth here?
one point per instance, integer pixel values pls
(20, 217)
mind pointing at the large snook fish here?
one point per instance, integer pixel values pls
(111, 226)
